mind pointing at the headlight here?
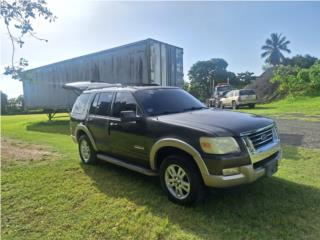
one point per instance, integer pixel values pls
(219, 145)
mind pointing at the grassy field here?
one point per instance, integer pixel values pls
(57, 197)
(298, 107)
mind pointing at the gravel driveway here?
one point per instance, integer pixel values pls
(299, 132)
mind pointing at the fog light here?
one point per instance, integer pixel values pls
(230, 171)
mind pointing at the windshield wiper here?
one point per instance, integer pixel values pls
(194, 108)
(183, 110)
(168, 112)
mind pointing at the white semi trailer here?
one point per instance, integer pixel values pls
(145, 62)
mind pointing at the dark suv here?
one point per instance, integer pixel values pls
(166, 131)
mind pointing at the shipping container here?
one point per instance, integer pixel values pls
(145, 62)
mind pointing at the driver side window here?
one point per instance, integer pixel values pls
(124, 102)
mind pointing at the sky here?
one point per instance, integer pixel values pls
(234, 31)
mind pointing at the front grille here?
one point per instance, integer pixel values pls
(261, 138)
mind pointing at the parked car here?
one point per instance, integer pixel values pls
(239, 98)
(219, 91)
(166, 132)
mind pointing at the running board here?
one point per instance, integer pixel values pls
(133, 167)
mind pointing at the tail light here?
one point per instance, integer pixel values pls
(239, 98)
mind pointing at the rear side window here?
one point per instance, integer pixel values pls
(103, 104)
(247, 92)
(80, 105)
(124, 102)
(94, 105)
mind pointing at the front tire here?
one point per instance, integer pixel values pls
(181, 180)
(234, 105)
(86, 151)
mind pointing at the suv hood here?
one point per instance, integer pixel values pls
(218, 122)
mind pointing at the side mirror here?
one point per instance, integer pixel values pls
(129, 116)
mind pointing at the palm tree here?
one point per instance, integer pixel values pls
(273, 49)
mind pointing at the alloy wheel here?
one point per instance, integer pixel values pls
(85, 150)
(177, 181)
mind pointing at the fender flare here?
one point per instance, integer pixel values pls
(179, 144)
(83, 128)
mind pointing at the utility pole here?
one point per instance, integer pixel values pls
(212, 87)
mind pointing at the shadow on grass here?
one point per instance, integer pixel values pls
(58, 127)
(271, 208)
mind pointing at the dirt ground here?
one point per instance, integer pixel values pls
(17, 152)
(299, 133)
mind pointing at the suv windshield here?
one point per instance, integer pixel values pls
(167, 101)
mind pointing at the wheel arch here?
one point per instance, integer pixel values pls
(176, 145)
(82, 129)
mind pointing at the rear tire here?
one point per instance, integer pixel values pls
(181, 180)
(86, 151)
(234, 105)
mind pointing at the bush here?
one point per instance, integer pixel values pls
(298, 81)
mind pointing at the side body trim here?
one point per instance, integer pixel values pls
(179, 144)
(83, 128)
(121, 163)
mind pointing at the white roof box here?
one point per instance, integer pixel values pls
(82, 86)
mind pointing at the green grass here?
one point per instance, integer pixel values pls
(64, 199)
(298, 107)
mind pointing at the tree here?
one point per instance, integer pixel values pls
(305, 61)
(15, 105)
(186, 86)
(17, 16)
(273, 48)
(202, 74)
(4, 102)
(314, 76)
(246, 77)
(287, 77)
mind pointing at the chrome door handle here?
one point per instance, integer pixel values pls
(114, 124)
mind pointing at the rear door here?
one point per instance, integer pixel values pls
(128, 139)
(99, 118)
(228, 98)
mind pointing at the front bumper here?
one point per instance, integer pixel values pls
(261, 160)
